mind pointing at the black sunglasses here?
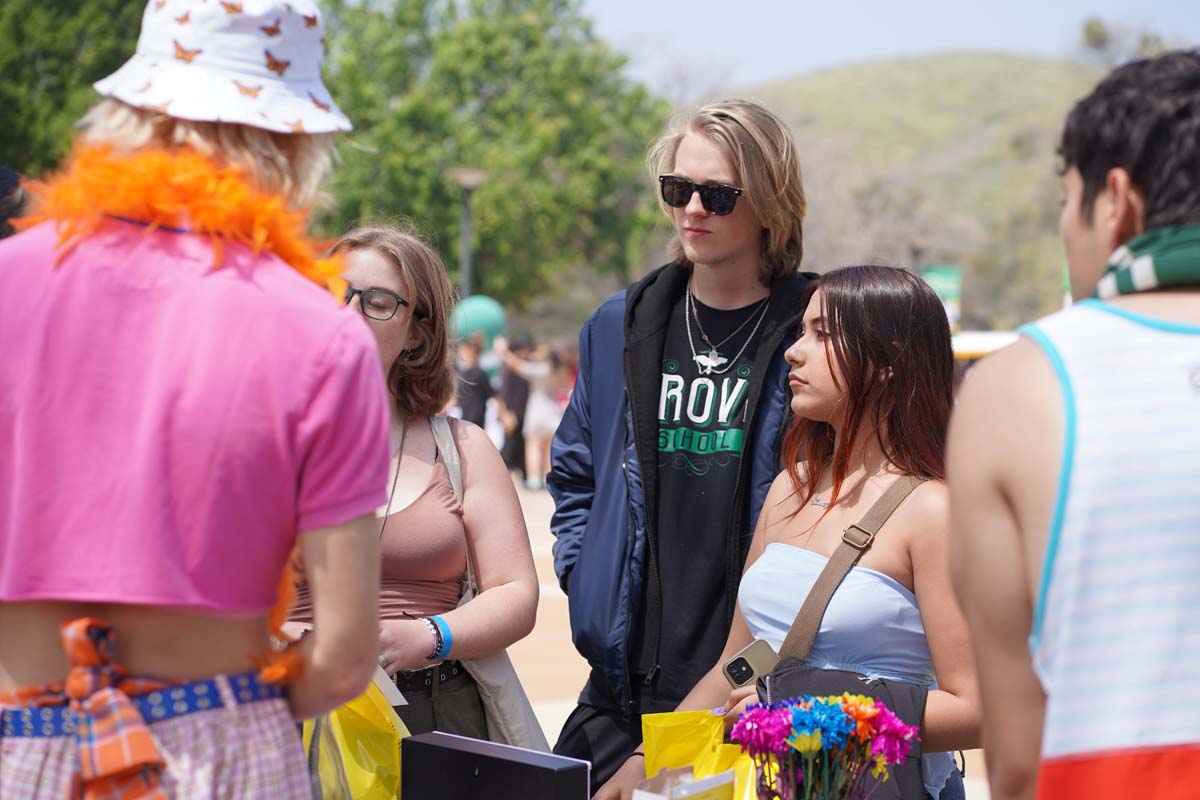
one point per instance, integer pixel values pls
(379, 304)
(717, 198)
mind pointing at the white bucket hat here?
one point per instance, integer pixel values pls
(251, 62)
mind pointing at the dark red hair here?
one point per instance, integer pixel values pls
(891, 343)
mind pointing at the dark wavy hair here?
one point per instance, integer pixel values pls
(891, 342)
(1145, 118)
(421, 379)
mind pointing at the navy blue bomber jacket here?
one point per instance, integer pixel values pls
(605, 502)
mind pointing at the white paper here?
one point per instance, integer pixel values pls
(388, 687)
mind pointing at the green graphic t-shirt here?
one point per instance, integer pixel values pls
(701, 432)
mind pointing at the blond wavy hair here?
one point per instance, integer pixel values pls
(421, 380)
(762, 151)
(290, 165)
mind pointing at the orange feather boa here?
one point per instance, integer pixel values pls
(182, 189)
(177, 189)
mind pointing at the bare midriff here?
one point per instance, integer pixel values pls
(151, 641)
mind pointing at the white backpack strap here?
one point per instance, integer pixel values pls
(443, 437)
(510, 716)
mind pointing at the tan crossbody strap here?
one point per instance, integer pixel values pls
(443, 437)
(856, 540)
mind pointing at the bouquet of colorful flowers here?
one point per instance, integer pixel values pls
(822, 748)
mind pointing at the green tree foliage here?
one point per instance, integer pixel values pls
(1110, 44)
(1150, 45)
(51, 52)
(520, 88)
(1096, 35)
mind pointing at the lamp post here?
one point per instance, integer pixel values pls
(468, 179)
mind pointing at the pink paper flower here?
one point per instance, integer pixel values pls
(763, 730)
(893, 739)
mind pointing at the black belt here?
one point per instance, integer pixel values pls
(425, 680)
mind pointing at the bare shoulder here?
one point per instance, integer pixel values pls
(929, 502)
(780, 501)
(1011, 379)
(924, 517)
(479, 455)
(1009, 403)
(781, 487)
(468, 434)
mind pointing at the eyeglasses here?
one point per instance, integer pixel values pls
(379, 304)
(717, 198)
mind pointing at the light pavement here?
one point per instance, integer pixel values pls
(550, 668)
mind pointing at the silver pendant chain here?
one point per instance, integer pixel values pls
(725, 341)
(709, 362)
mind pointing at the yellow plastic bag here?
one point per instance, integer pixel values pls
(730, 756)
(695, 738)
(354, 750)
(679, 738)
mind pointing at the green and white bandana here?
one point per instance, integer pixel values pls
(1158, 259)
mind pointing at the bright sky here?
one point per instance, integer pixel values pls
(684, 49)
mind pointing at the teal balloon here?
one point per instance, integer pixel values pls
(479, 313)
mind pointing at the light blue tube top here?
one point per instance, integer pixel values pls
(872, 625)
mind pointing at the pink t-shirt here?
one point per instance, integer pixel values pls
(167, 428)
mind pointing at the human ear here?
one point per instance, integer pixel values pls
(1124, 211)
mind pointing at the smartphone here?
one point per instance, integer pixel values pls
(756, 659)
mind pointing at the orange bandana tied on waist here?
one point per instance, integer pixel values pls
(118, 755)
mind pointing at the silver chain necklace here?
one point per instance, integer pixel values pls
(725, 341)
(708, 363)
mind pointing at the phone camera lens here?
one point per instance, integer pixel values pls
(740, 671)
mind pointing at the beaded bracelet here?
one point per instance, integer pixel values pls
(444, 639)
(437, 638)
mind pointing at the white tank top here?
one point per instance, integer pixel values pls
(1116, 634)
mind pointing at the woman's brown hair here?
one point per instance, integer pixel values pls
(421, 379)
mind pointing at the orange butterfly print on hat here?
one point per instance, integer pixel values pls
(158, 4)
(232, 8)
(271, 30)
(248, 91)
(310, 21)
(318, 103)
(187, 16)
(183, 54)
(276, 65)
(297, 126)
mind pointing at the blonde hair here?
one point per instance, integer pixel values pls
(763, 153)
(291, 165)
(421, 380)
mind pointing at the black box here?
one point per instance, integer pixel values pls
(442, 766)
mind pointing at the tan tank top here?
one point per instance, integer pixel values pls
(423, 555)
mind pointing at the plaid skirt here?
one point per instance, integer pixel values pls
(239, 751)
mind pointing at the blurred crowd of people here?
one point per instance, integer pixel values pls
(520, 402)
